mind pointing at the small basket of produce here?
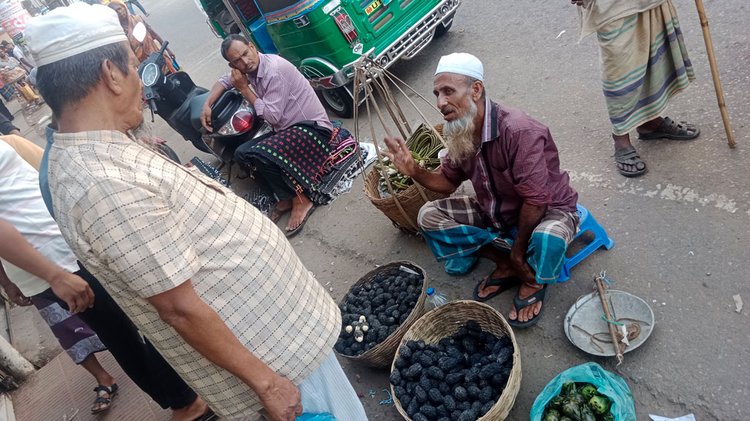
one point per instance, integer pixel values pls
(378, 310)
(585, 393)
(395, 194)
(458, 362)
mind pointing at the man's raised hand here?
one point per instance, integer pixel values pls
(238, 80)
(401, 156)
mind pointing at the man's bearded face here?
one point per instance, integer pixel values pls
(459, 133)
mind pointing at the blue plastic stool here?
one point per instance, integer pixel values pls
(601, 239)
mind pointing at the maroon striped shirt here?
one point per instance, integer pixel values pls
(521, 158)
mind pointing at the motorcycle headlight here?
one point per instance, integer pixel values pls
(150, 74)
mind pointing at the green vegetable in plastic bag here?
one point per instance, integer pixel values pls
(587, 414)
(552, 415)
(572, 407)
(564, 418)
(608, 417)
(588, 391)
(608, 384)
(557, 402)
(568, 389)
(599, 404)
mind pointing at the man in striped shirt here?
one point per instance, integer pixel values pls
(523, 215)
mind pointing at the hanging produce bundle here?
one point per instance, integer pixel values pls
(397, 196)
(424, 145)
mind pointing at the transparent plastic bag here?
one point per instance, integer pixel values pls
(607, 383)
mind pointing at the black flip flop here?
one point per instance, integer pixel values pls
(670, 129)
(503, 283)
(629, 156)
(292, 233)
(520, 304)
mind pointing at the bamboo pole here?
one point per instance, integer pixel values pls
(608, 314)
(715, 73)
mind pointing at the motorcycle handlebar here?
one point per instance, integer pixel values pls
(163, 47)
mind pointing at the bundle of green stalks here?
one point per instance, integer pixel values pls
(424, 145)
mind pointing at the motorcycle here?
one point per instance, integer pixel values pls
(179, 101)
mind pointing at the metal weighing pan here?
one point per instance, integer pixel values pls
(587, 314)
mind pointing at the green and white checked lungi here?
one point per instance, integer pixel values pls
(456, 228)
(644, 63)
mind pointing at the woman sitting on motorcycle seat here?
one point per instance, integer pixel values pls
(151, 42)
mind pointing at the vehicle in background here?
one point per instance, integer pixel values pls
(175, 98)
(324, 38)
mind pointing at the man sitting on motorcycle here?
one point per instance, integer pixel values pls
(292, 159)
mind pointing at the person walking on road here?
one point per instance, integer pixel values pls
(644, 62)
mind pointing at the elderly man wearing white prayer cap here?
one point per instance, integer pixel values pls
(523, 215)
(213, 283)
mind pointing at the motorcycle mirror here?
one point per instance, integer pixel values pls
(139, 31)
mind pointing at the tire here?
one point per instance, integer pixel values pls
(443, 28)
(339, 101)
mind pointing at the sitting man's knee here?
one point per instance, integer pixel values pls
(426, 216)
(546, 256)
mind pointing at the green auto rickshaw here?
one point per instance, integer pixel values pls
(324, 38)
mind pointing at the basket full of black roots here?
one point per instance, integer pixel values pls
(458, 362)
(378, 310)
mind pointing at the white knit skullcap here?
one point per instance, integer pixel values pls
(462, 64)
(72, 30)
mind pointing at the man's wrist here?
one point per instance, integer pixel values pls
(56, 277)
(261, 380)
(249, 94)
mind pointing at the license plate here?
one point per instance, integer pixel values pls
(373, 6)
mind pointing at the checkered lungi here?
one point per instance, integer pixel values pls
(456, 228)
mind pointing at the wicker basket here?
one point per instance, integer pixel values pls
(445, 321)
(381, 355)
(402, 209)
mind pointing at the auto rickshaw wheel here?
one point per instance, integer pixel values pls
(339, 101)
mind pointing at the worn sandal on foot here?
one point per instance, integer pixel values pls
(104, 397)
(628, 162)
(277, 213)
(671, 129)
(503, 283)
(293, 232)
(521, 303)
